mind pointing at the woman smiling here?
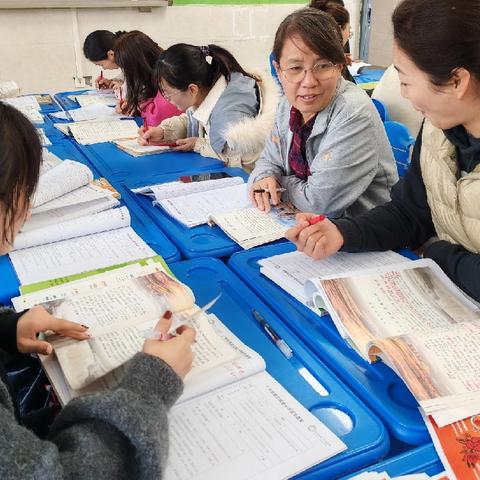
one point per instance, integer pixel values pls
(328, 148)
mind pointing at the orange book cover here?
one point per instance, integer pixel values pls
(458, 446)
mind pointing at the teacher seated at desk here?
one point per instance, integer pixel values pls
(435, 207)
(328, 148)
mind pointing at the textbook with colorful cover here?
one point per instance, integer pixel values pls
(458, 446)
(223, 202)
(416, 320)
(260, 421)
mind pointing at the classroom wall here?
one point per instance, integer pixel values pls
(41, 49)
(381, 34)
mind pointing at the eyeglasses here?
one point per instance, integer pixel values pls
(168, 98)
(321, 71)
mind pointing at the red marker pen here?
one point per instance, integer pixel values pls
(317, 219)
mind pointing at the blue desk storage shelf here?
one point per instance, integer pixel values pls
(48, 107)
(377, 385)
(201, 241)
(64, 100)
(340, 410)
(422, 459)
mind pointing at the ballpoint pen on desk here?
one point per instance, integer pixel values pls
(154, 335)
(264, 190)
(277, 340)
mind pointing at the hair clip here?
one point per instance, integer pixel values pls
(205, 51)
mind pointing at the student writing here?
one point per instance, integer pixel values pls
(228, 111)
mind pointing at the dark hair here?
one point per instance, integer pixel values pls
(20, 158)
(136, 54)
(439, 36)
(98, 43)
(334, 8)
(317, 29)
(183, 64)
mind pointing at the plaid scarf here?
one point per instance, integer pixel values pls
(301, 131)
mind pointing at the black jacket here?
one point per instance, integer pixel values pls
(406, 221)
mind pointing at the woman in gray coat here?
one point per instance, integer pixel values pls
(328, 149)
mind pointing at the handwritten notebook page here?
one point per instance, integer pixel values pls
(95, 111)
(87, 133)
(163, 191)
(93, 98)
(86, 225)
(252, 429)
(250, 227)
(78, 255)
(194, 209)
(62, 178)
(25, 102)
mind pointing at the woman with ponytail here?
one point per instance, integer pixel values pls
(228, 112)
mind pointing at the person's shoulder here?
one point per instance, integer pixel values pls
(352, 101)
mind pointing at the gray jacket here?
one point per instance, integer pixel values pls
(118, 434)
(351, 161)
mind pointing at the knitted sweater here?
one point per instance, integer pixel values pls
(118, 434)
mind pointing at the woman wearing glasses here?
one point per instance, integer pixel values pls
(328, 149)
(228, 112)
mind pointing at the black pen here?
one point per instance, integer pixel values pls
(278, 341)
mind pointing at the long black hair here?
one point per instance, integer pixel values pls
(136, 54)
(183, 64)
(20, 159)
(98, 43)
(439, 36)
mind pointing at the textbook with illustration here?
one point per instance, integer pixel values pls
(418, 322)
(458, 446)
(223, 202)
(292, 270)
(120, 307)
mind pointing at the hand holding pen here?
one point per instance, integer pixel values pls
(265, 192)
(315, 235)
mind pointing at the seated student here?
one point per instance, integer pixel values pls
(136, 54)
(435, 206)
(98, 48)
(229, 112)
(328, 148)
(117, 434)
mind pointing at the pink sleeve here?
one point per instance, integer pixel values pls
(156, 109)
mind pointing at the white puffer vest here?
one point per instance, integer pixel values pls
(453, 200)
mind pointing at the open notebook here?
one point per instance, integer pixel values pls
(223, 202)
(291, 270)
(74, 226)
(260, 422)
(97, 131)
(132, 147)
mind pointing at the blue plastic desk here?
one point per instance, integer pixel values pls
(118, 165)
(201, 241)
(367, 441)
(377, 385)
(48, 107)
(422, 459)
